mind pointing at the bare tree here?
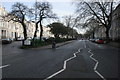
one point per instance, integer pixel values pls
(41, 10)
(71, 22)
(101, 10)
(92, 25)
(68, 20)
(18, 14)
(75, 23)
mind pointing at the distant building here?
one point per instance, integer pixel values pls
(47, 33)
(115, 27)
(100, 32)
(114, 32)
(31, 30)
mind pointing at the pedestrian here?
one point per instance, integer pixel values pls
(53, 44)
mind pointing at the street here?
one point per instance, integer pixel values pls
(78, 59)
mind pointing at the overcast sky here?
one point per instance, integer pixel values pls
(60, 7)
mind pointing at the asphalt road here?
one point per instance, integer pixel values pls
(79, 59)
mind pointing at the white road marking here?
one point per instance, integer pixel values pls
(64, 66)
(100, 75)
(95, 67)
(4, 66)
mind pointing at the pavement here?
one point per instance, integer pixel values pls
(114, 44)
(80, 59)
(57, 45)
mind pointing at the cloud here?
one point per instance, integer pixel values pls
(62, 13)
(35, 0)
(57, 0)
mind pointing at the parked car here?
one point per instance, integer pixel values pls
(93, 40)
(99, 41)
(20, 38)
(29, 38)
(6, 41)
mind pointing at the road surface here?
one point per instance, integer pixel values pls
(79, 59)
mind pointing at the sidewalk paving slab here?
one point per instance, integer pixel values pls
(114, 44)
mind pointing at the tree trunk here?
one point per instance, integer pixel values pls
(72, 34)
(67, 36)
(56, 36)
(35, 33)
(24, 32)
(93, 35)
(41, 31)
(36, 29)
(107, 33)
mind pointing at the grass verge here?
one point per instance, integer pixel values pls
(35, 45)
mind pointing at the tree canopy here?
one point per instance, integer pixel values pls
(58, 29)
(102, 12)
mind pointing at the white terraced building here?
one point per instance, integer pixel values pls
(13, 29)
(9, 29)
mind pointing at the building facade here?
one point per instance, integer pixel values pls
(9, 29)
(114, 32)
(115, 27)
(31, 30)
(47, 33)
(13, 30)
(100, 32)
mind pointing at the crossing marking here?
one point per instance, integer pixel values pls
(64, 66)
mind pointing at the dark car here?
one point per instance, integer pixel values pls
(6, 41)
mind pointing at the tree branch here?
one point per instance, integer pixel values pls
(95, 14)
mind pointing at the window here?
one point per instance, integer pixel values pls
(12, 34)
(3, 32)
